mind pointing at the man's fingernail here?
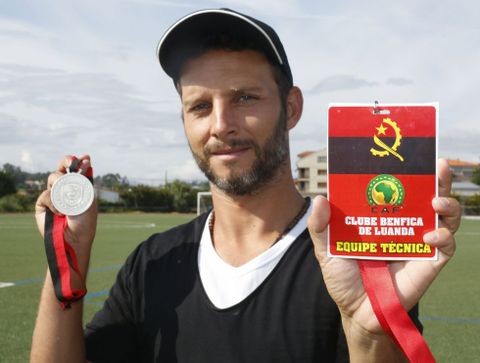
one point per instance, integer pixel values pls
(443, 202)
(431, 237)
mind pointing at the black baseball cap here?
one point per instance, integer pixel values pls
(187, 32)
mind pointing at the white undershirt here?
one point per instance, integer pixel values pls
(227, 285)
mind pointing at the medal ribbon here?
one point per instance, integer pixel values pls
(62, 260)
(390, 313)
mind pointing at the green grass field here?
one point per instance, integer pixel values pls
(450, 311)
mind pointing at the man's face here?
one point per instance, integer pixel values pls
(233, 119)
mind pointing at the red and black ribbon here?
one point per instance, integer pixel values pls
(62, 260)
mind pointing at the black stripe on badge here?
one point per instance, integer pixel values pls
(352, 155)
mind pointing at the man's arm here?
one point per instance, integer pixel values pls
(365, 337)
(365, 346)
(58, 334)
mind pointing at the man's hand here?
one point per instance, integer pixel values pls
(411, 278)
(81, 229)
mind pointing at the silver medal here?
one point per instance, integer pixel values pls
(72, 194)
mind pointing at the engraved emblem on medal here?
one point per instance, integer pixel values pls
(72, 194)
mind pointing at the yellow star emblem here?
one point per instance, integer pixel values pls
(387, 150)
(381, 129)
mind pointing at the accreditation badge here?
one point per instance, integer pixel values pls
(382, 177)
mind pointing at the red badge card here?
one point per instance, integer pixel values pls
(382, 177)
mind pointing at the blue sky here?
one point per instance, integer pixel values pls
(82, 76)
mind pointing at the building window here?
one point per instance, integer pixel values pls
(321, 185)
(303, 173)
(321, 172)
(321, 159)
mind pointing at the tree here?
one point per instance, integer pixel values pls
(16, 203)
(7, 184)
(472, 204)
(11, 169)
(146, 198)
(476, 176)
(15, 172)
(184, 196)
(112, 181)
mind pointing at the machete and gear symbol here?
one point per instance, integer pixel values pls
(387, 150)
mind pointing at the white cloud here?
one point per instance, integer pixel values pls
(189, 170)
(163, 3)
(80, 77)
(399, 81)
(339, 83)
(265, 7)
(26, 159)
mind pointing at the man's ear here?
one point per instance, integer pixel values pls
(294, 107)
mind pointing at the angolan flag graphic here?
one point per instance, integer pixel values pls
(381, 180)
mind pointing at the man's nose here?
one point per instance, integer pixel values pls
(224, 122)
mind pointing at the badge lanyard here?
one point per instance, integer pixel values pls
(62, 260)
(390, 313)
(388, 309)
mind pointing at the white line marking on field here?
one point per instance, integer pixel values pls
(472, 218)
(470, 233)
(127, 225)
(16, 226)
(6, 284)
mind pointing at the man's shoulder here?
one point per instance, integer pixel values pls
(185, 234)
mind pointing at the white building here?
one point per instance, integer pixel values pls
(106, 195)
(312, 173)
(465, 188)
(462, 170)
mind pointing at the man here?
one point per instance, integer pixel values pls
(242, 283)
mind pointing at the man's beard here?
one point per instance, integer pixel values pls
(269, 159)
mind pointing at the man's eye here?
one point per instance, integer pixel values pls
(246, 98)
(200, 107)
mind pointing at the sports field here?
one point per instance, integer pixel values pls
(450, 311)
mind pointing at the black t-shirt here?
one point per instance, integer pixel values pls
(158, 311)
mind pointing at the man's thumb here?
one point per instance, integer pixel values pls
(318, 220)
